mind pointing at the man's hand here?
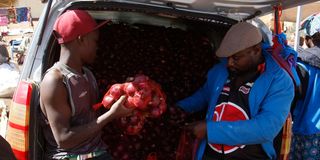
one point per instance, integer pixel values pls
(198, 129)
(118, 110)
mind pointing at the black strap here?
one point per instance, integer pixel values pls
(223, 156)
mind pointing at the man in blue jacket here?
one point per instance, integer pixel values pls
(247, 97)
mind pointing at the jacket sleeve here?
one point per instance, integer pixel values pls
(262, 127)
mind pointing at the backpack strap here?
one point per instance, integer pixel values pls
(286, 139)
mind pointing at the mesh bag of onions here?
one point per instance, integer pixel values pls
(144, 95)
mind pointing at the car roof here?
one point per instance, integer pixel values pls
(234, 9)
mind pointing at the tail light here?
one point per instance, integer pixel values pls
(18, 126)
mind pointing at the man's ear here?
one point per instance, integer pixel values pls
(80, 39)
(257, 49)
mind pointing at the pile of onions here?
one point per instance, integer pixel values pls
(176, 59)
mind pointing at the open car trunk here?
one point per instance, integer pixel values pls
(175, 52)
(171, 41)
(177, 59)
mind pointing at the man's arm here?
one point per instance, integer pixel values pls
(259, 129)
(54, 97)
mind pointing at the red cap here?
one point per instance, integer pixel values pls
(74, 23)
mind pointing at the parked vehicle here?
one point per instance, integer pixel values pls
(173, 42)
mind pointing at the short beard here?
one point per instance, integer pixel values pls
(237, 73)
(233, 74)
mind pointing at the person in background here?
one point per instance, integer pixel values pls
(306, 113)
(301, 44)
(247, 97)
(68, 91)
(309, 41)
(4, 54)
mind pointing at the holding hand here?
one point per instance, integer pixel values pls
(198, 129)
(119, 110)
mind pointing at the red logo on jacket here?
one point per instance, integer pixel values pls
(228, 112)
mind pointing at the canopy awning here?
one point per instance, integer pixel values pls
(290, 15)
(6, 3)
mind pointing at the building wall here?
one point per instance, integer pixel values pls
(36, 6)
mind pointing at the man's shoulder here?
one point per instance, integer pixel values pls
(314, 51)
(278, 75)
(273, 67)
(311, 56)
(282, 82)
(52, 77)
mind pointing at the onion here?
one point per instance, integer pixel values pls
(107, 101)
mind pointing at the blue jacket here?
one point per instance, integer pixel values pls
(306, 115)
(269, 102)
